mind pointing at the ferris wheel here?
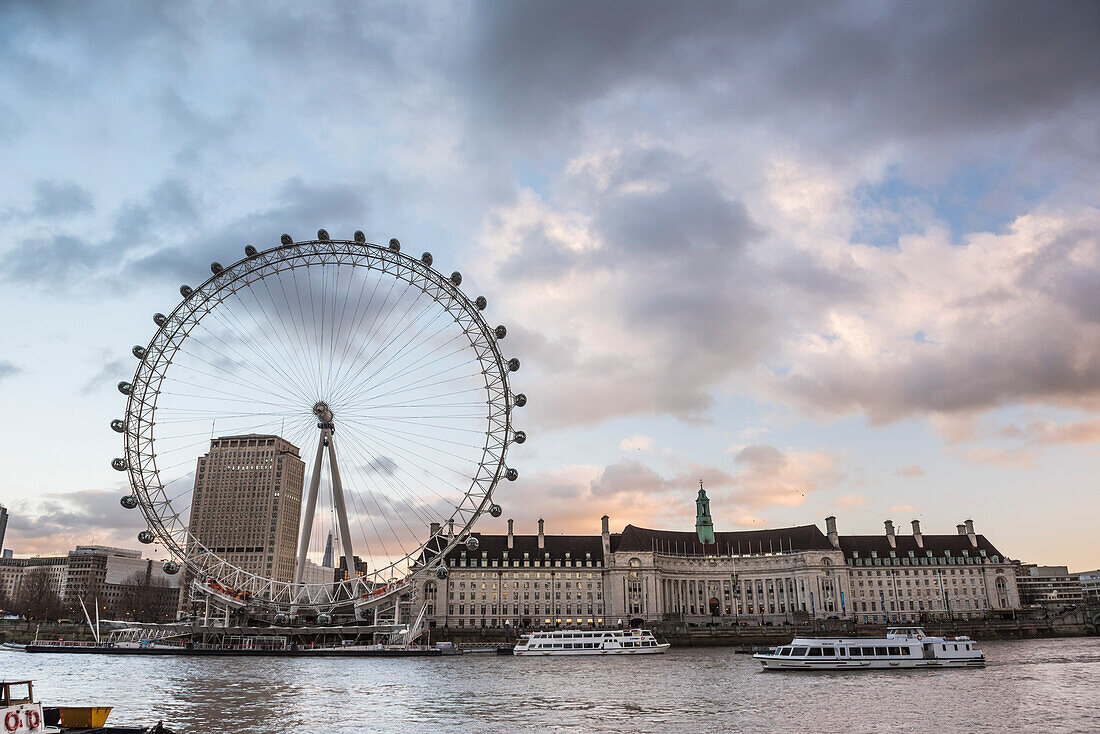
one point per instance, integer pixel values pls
(337, 352)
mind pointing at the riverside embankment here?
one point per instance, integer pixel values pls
(682, 635)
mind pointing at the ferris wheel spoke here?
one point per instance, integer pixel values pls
(284, 357)
(432, 356)
(405, 494)
(388, 339)
(244, 387)
(356, 322)
(292, 316)
(373, 331)
(364, 394)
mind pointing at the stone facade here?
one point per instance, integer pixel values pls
(755, 577)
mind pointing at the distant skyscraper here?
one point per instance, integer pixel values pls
(327, 562)
(247, 503)
(3, 524)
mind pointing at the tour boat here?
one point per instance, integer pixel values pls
(903, 647)
(590, 642)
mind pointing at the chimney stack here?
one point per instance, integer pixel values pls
(542, 536)
(961, 529)
(830, 527)
(434, 529)
(511, 537)
(969, 525)
(451, 528)
(890, 533)
(916, 534)
(605, 536)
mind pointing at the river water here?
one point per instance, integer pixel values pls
(1032, 685)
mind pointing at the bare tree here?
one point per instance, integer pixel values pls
(145, 598)
(36, 597)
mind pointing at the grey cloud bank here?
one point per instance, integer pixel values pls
(674, 206)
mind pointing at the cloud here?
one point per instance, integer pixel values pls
(60, 200)
(57, 522)
(904, 509)
(109, 373)
(1050, 433)
(766, 476)
(992, 456)
(850, 500)
(991, 297)
(599, 288)
(8, 369)
(637, 442)
(910, 472)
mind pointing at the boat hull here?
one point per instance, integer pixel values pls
(770, 662)
(663, 647)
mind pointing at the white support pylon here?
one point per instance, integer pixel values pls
(326, 440)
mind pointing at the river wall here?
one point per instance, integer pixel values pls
(681, 635)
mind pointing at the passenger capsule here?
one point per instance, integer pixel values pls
(481, 303)
(519, 437)
(426, 258)
(324, 619)
(250, 251)
(519, 400)
(286, 239)
(322, 235)
(160, 319)
(128, 501)
(496, 510)
(442, 572)
(513, 365)
(118, 426)
(146, 536)
(359, 236)
(138, 351)
(395, 244)
(216, 267)
(281, 618)
(472, 543)
(456, 278)
(124, 387)
(512, 475)
(118, 464)
(186, 291)
(171, 568)
(500, 332)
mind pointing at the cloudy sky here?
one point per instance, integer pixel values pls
(830, 257)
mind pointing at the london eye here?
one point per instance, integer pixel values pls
(388, 387)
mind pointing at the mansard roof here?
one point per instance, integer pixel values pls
(797, 538)
(556, 545)
(863, 545)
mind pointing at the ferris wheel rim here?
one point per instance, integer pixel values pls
(172, 333)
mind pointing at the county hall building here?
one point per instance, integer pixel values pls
(756, 576)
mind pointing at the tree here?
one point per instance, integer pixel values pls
(36, 597)
(145, 598)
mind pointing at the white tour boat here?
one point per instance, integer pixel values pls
(903, 647)
(590, 642)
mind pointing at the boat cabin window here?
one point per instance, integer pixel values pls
(880, 651)
(855, 651)
(894, 651)
(799, 652)
(829, 652)
(815, 652)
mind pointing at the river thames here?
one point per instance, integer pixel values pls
(1033, 685)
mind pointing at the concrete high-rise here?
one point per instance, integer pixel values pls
(247, 501)
(3, 524)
